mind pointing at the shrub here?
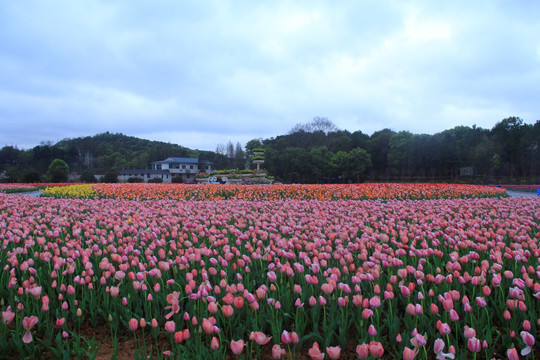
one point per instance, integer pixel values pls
(155, 180)
(31, 176)
(110, 177)
(135, 179)
(88, 177)
(177, 179)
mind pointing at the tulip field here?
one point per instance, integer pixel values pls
(159, 271)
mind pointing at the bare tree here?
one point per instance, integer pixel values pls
(317, 124)
(220, 149)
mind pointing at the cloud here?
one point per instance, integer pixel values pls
(239, 68)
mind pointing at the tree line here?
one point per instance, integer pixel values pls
(318, 152)
(315, 152)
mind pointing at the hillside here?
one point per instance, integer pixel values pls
(98, 154)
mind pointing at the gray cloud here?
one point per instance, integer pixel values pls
(201, 73)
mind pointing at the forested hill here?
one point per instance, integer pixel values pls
(318, 152)
(99, 153)
(117, 151)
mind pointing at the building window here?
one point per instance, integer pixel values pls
(191, 166)
(183, 166)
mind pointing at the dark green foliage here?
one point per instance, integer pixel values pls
(58, 171)
(135, 179)
(31, 176)
(508, 153)
(155, 180)
(177, 179)
(88, 177)
(110, 177)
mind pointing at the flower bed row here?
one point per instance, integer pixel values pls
(215, 279)
(275, 192)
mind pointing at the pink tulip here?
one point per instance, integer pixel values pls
(227, 310)
(8, 315)
(285, 337)
(294, 338)
(474, 345)
(367, 313)
(372, 331)
(418, 341)
(179, 337)
(237, 347)
(212, 307)
(445, 329)
(480, 301)
(214, 344)
(170, 326)
(207, 326)
(438, 348)
(315, 353)
(259, 337)
(277, 352)
(362, 351)
(512, 354)
(133, 324)
(409, 354)
(271, 276)
(28, 323)
(454, 315)
(469, 332)
(376, 349)
(529, 341)
(334, 352)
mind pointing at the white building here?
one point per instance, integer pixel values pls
(169, 168)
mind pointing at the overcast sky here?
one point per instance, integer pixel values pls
(199, 73)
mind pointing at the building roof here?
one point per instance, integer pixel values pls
(181, 161)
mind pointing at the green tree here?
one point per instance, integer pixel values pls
(320, 164)
(110, 177)
(378, 148)
(398, 153)
(58, 171)
(358, 163)
(31, 176)
(88, 177)
(239, 157)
